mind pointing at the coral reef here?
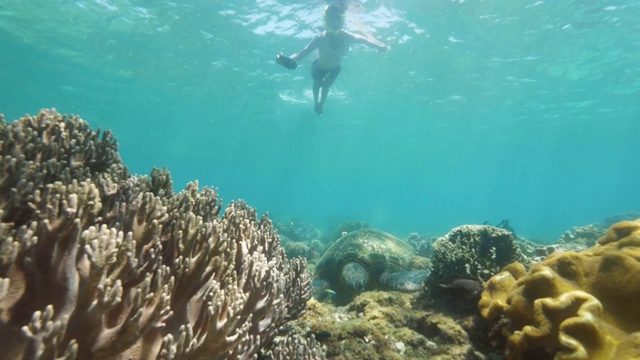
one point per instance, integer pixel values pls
(297, 230)
(300, 239)
(296, 249)
(347, 227)
(503, 224)
(542, 252)
(574, 305)
(581, 237)
(614, 219)
(422, 243)
(96, 263)
(473, 252)
(529, 248)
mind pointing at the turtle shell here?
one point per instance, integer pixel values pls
(377, 251)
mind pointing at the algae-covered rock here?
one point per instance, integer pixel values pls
(386, 325)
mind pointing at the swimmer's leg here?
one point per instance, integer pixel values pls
(316, 91)
(318, 76)
(326, 85)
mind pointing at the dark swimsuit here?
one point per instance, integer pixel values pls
(320, 75)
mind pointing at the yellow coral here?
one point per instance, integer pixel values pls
(573, 305)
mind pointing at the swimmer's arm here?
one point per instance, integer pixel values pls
(359, 39)
(307, 49)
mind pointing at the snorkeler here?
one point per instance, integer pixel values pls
(332, 44)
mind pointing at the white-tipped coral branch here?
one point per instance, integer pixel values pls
(98, 264)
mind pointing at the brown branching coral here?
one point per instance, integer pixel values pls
(48, 148)
(98, 264)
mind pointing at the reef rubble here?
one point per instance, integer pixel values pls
(388, 325)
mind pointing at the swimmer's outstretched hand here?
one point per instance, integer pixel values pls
(286, 61)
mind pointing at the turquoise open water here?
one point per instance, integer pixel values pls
(481, 111)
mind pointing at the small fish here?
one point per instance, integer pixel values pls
(464, 287)
(325, 295)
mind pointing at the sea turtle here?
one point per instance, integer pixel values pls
(366, 259)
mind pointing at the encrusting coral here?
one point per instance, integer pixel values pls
(573, 305)
(98, 264)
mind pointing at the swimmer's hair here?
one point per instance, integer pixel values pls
(341, 3)
(333, 9)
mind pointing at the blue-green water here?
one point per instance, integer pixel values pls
(482, 110)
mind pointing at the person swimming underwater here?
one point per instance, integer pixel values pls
(332, 45)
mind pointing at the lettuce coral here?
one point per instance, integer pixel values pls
(573, 305)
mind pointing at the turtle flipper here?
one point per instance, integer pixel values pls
(404, 280)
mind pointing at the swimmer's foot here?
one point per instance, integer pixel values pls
(318, 109)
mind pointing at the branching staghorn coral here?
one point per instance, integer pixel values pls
(98, 264)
